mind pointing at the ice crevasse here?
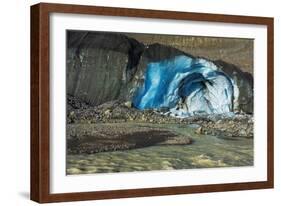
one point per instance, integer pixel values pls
(186, 86)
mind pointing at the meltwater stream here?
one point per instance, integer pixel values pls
(186, 86)
(206, 152)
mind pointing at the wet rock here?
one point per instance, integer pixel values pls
(107, 112)
(128, 104)
(198, 130)
(177, 141)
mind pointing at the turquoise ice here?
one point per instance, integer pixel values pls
(194, 83)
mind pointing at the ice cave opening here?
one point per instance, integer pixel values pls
(186, 86)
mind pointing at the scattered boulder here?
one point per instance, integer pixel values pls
(238, 126)
(117, 112)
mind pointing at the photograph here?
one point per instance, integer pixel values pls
(134, 102)
(138, 102)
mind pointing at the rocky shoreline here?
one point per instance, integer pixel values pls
(93, 129)
(240, 125)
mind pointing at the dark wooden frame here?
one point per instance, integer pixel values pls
(40, 98)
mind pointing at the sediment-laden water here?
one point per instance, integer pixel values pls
(205, 152)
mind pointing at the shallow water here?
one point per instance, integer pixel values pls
(205, 152)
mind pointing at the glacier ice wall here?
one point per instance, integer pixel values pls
(103, 66)
(186, 86)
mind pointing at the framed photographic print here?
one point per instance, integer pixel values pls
(132, 102)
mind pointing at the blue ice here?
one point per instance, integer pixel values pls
(185, 85)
